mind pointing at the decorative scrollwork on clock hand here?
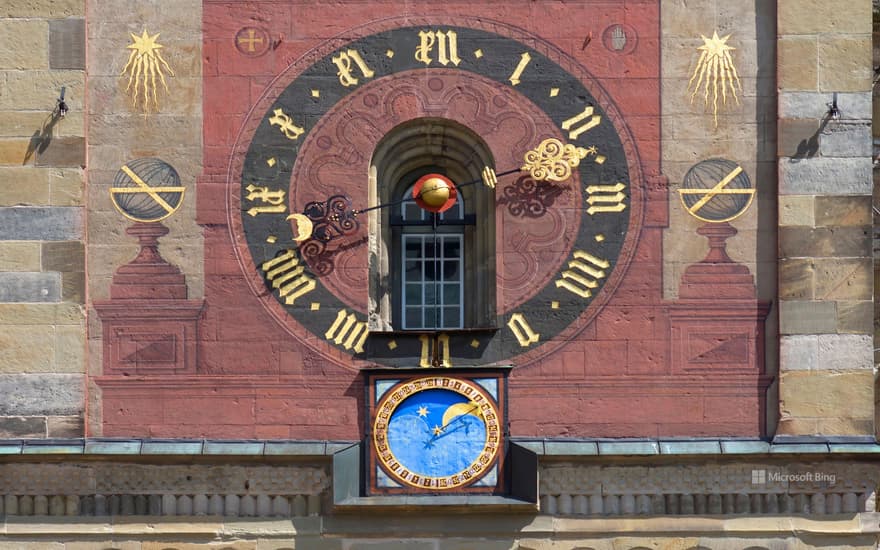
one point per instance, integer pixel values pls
(553, 160)
(332, 218)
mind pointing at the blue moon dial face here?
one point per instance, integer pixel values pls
(437, 432)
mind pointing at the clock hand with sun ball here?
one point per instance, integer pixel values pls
(325, 221)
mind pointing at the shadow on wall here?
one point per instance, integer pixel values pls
(43, 137)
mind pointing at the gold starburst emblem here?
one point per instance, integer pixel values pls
(145, 65)
(715, 73)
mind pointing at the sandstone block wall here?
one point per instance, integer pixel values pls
(42, 219)
(826, 296)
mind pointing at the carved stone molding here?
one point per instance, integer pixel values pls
(798, 488)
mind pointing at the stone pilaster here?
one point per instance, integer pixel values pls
(121, 132)
(825, 185)
(42, 271)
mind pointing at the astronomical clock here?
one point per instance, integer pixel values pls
(547, 204)
(437, 231)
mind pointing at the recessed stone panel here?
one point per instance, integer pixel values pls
(67, 43)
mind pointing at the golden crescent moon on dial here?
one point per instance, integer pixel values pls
(303, 227)
(460, 409)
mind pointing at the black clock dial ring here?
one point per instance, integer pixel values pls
(601, 245)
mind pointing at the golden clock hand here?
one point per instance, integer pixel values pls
(488, 175)
(552, 160)
(445, 432)
(439, 432)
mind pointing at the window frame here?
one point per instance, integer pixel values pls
(406, 153)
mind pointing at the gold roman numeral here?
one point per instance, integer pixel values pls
(583, 273)
(440, 351)
(589, 120)
(285, 124)
(348, 331)
(522, 331)
(273, 200)
(288, 277)
(343, 62)
(523, 62)
(605, 198)
(447, 47)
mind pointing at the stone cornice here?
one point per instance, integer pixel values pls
(546, 447)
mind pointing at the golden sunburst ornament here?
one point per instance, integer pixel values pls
(145, 65)
(715, 72)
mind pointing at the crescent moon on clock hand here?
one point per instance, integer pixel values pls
(304, 227)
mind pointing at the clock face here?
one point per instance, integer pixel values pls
(562, 247)
(437, 433)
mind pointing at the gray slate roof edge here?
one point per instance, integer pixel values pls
(540, 446)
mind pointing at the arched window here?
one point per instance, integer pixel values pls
(429, 271)
(431, 253)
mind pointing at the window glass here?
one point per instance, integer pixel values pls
(432, 283)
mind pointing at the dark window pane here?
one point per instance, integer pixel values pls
(414, 294)
(451, 294)
(414, 317)
(451, 317)
(452, 248)
(432, 315)
(413, 271)
(450, 270)
(413, 248)
(430, 293)
(412, 212)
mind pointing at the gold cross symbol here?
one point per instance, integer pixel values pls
(250, 40)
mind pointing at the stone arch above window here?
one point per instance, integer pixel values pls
(408, 151)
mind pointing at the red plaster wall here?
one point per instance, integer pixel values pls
(625, 373)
